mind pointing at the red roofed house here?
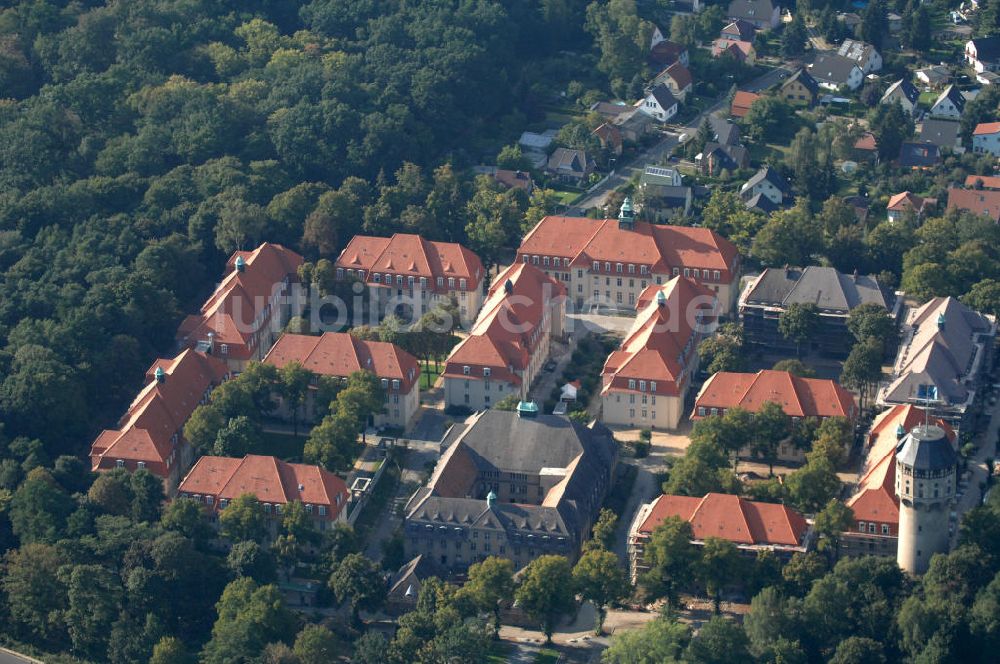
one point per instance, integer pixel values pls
(248, 310)
(610, 262)
(406, 269)
(216, 481)
(509, 343)
(646, 381)
(908, 202)
(742, 101)
(751, 526)
(986, 138)
(982, 182)
(742, 51)
(677, 78)
(610, 137)
(151, 433)
(339, 355)
(977, 201)
(875, 530)
(798, 397)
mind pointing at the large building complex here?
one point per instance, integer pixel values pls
(510, 342)
(338, 355)
(751, 526)
(151, 434)
(942, 355)
(647, 380)
(406, 271)
(248, 310)
(610, 262)
(515, 485)
(835, 294)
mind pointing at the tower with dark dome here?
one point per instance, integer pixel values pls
(926, 474)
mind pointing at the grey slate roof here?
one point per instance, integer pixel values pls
(751, 10)
(566, 160)
(942, 133)
(918, 155)
(769, 174)
(761, 203)
(833, 68)
(730, 156)
(954, 95)
(831, 291)
(987, 48)
(927, 448)
(726, 132)
(904, 86)
(668, 193)
(806, 79)
(663, 96)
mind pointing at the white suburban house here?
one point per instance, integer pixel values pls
(983, 54)
(905, 93)
(863, 54)
(986, 138)
(949, 104)
(768, 183)
(763, 14)
(660, 103)
(833, 72)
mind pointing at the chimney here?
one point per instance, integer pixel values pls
(508, 287)
(940, 321)
(241, 265)
(491, 500)
(661, 299)
(161, 375)
(900, 431)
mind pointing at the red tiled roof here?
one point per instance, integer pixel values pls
(984, 128)
(742, 101)
(661, 247)
(653, 347)
(730, 517)
(679, 74)
(339, 354)
(989, 181)
(513, 179)
(231, 310)
(798, 397)
(875, 498)
(905, 201)
(866, 142)
(666, 52)
(412, 256)
(502, 336)
(976, 201)
(609, 134)
(268, 478)
(159, 411)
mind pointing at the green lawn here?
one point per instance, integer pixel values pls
(566, 196)
(284, 446)
(547, 656)
(928, 98)
(429, 374)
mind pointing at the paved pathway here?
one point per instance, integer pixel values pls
(972, 495)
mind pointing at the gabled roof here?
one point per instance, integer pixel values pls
(759, 10)
(570, 160)
(268, 478)
(726, 132)
(411, 255)
(609, 134)
(514, 179)
(663, 96)
(506, 334)
(727, 156)
(866, 142)
(339, 354)
(952, 94)
(905, 201)
(742, 101)
(942, 133)
(659, 246)
(983, 181)
(742, 30)
(987, 48)
(160, 410)
(833, 68)
(856, 50)
(231, 310)
(761, 203)
(797, 396)
(805, 78)
(656, 346)
(770, 175)
(986, 128)
(679, 74)
(730, 517)
(977, 201)
(918, 155)
(902, 87)
(830, 290)
(667, 52)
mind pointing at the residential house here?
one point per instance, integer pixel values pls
(741, 51)
(668, 52)
(610, 262)
(990, 182)
(754, 527)
(677, 78)
(217, 481)
(861, 207)
(338, 355)
(657, 37)
(835, 72)
(949, 104)
(761, 14)
(907, 202)
(610, 138)
(659, 356)
(988, 78)
(863, 54)
(834, 293)
(742, 101)
(767, 181)
(410, 275)
(761, 204)
(514, 485)
(942, 357)
(738, 30)
(986, 138)
(661, 175)
(850, 20)
(726, 133)
(798, 397)
(514, 179)
(660, 103)
(800, 89)
(717, 157)
(866, 147)
(918, 155)
(935, 76)
(983, 54)
(942, 133)
(570, 165)
(510, 342)
(248, 310)
(874, 529)
(905, 93)
(663, 203)
(405, 584)
(610, 110)
(151, 433)
(635, 124)
(535, 146)
(977, 201)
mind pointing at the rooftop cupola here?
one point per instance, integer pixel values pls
(626, 216)
(527, 409)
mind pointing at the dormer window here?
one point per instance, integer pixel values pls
(631, 383)
(423, 282)
(340, 273)
(462, 284)
(618, 268)
(466, 369)
(377, 277)
(120, 463)
(395, 383)
(399, 280)
(652, 386)
(451, 283)
(642, 386)
(607, 266)
(385, 383)
(486, 371)
(597, 266)
(140, 465)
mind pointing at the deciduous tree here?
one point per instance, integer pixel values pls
(546, 591)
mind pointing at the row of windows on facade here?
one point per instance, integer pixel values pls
(402, 279)
(870, 527)
(277, 507)
(631, 399)
(703, 411)
(620, 268)
(920, 489)
(544, 540)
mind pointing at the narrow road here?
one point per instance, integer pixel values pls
(977, 465)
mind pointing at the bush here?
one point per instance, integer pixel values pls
(641, 449)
